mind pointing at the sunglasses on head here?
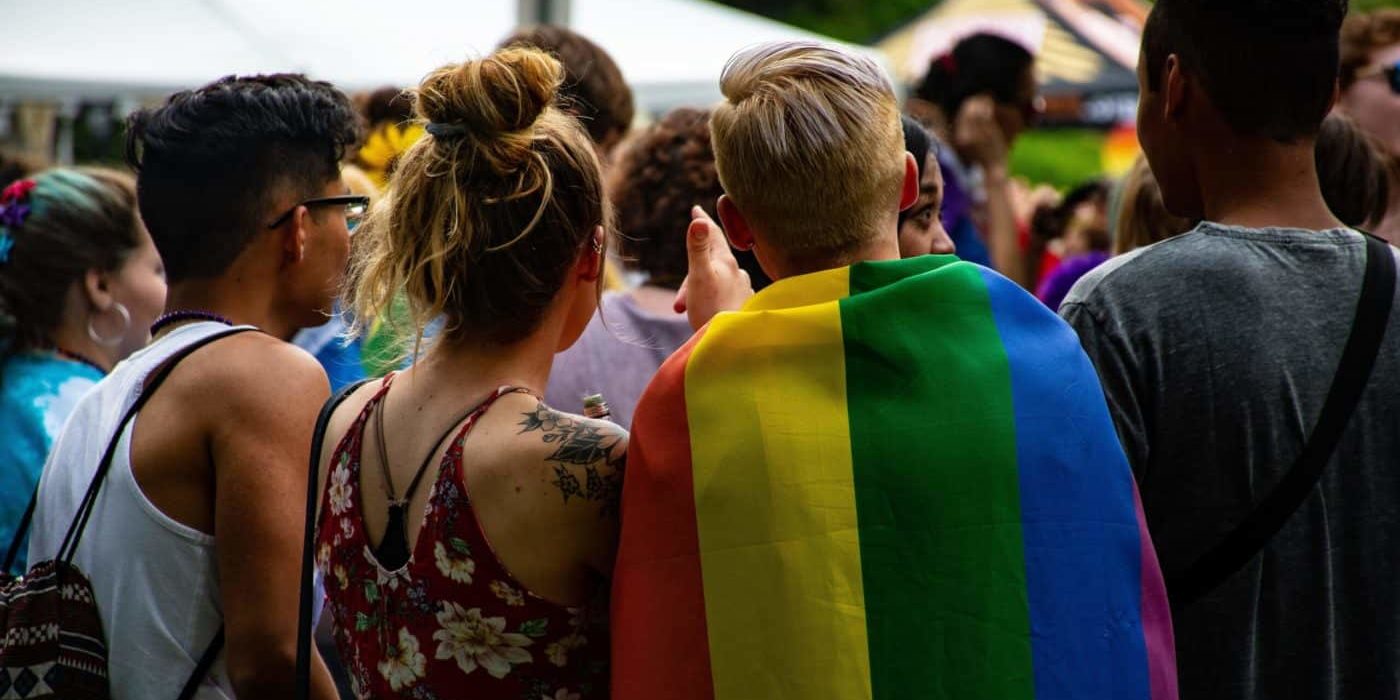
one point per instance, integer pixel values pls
(355, 208)
(1391, 73)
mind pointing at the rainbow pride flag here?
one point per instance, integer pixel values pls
(896, 480)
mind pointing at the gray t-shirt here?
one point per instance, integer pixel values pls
(616, 359)
(1216, 350)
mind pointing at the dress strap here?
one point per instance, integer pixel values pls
(470, 418)
(393, 548)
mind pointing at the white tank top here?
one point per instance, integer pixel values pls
(155, 579)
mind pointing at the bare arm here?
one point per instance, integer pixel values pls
(260, 451)
(1002, 236)
(588, 458)
(975, 132)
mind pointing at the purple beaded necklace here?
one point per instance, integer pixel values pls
(175, 317)
(78, 358)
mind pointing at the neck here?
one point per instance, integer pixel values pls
(453, 367)
(1261, 183)
(75, 340)
(237, 302)
(882, 246)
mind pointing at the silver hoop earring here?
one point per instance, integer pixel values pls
(117, 339)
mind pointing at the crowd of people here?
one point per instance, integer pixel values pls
(797, 395)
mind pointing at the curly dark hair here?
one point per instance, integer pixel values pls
(663, 172)
(209, 162)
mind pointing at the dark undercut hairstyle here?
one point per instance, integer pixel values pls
(1268, 66)
(211, 161)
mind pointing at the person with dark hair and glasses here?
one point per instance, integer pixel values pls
(198, 535)
(1217, 349)
(1370, 82)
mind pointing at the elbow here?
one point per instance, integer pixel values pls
(262, 670)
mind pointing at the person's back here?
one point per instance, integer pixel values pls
(143, 564)
(1235, 335)
(197, 527)
(878, 477)
(466, 529)
(1216, 349)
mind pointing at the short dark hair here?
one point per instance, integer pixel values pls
(1352, 172)
(594, 89)
(1268, 66)
(209, 161)
(664, 171)
(981, 63)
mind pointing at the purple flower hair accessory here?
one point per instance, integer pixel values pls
(12, 215)
(14, 209)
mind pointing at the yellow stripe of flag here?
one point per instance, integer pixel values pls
(775, 504)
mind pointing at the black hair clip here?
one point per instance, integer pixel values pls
(444, 130)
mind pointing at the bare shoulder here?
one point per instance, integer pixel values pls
(253, 361)
(251, 374)
(344, 417)
(582, 459)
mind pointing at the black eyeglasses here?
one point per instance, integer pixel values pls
(1391, 73)
(355, 208)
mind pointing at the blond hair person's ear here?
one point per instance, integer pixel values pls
(734, 225)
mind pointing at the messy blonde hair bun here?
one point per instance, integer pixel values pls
(486, 214)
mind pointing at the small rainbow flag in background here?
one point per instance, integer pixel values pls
(894, 480)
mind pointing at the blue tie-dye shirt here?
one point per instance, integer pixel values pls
(37, 392)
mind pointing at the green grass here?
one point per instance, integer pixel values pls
(1062, 158)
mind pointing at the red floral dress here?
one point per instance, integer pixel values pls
(453, 622)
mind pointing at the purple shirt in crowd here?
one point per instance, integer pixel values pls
(616, 360)
(1056, 285)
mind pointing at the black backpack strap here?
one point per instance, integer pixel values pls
(12, 553)
(1269, 516)
(308, 545)
(85, 507)
(201, 669)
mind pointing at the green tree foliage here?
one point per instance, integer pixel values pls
(1368, 5)
(858, 21)
(864, 21)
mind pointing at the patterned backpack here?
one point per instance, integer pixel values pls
(51, 639)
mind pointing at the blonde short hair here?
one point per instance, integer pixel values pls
(809, 147)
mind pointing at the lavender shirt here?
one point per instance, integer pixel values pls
(617, 360)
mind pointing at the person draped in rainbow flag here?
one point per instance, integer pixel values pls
(878, 478)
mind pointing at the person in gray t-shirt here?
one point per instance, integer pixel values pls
(1217, 348)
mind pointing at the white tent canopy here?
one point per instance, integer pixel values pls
(671, 51)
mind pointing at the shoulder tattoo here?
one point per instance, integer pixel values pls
(579, 450)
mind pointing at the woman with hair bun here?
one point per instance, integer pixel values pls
(467, 529)
(80, 284)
